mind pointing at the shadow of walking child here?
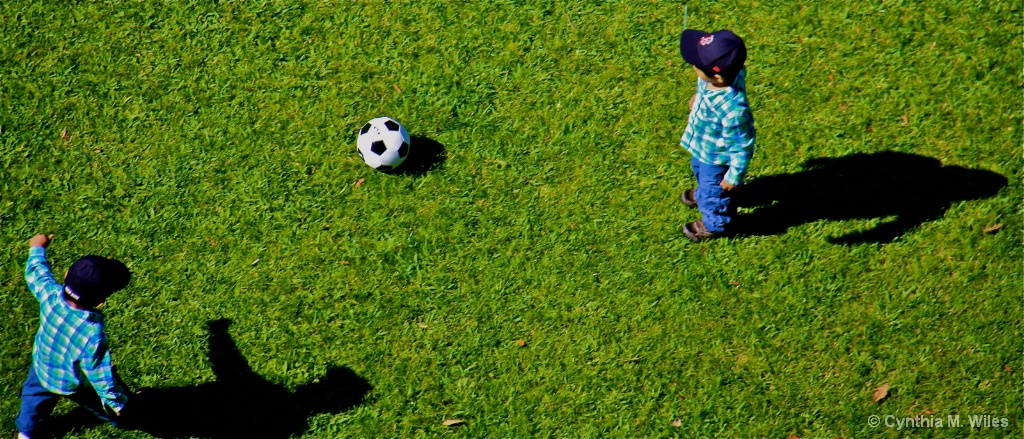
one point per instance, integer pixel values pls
(901, 190)
(240, 403)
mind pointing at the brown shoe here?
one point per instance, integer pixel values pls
(687, 197)
(696, 232)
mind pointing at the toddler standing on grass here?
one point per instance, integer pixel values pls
(70, 357)
(720, 130)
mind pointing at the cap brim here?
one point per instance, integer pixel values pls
(689, 42)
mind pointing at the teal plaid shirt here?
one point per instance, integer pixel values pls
(720, 130)
(70, 345)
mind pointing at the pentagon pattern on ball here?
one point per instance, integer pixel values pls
(383, 143)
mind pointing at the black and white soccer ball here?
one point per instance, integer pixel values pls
(383, 143)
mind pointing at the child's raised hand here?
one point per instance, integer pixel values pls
(40, 240)
(727, 186)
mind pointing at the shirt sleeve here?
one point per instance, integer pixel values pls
(738, 136)
(37, 274)
(99, 370)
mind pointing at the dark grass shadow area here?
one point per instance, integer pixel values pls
(77, 420)
(425, 155)
(903, 190)
(240, 403)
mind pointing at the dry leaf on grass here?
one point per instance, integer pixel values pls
(451, 422)
(396, 88)
(993, 229)
(881, 392)
(346, 263)
(64, 134)
(521, 343)
(360, 182)
(677, 423)
(906, 119)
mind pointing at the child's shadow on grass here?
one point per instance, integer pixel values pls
(901, 190)
(240, 403)
(425, 154)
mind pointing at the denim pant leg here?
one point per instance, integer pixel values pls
(712, 201)
(37, 404)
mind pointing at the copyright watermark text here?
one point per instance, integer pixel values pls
(950, 421)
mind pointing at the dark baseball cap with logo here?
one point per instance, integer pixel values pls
(717, 53)
(92, 279)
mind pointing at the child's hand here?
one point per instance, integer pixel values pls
(729, 187)
(40, 240)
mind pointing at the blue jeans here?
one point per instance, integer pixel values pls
(37, 404)
(712, 201)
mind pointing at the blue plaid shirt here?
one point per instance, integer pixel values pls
(720, 130)
(70, 345)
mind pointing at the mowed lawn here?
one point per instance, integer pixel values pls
(529, 277)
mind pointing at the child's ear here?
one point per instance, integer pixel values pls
(719, 79)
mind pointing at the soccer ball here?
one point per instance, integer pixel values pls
(383, 143)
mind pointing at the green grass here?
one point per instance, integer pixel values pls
(204, 137)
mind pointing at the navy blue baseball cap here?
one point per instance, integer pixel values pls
(92, 279)
(721, 52)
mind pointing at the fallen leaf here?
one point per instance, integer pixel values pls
(360, 182)
(906, 119)
(677, 423)
(831, 78)
(734, 283)
(64, 134)
(869, 129)
(521, 343)
(927, 412)
(422, 325)
(396, 87)
(881, 392)
(212, 242)
(451, 422)
(346, 263)
(993, 229)
(793, 437)
(1007, 368)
